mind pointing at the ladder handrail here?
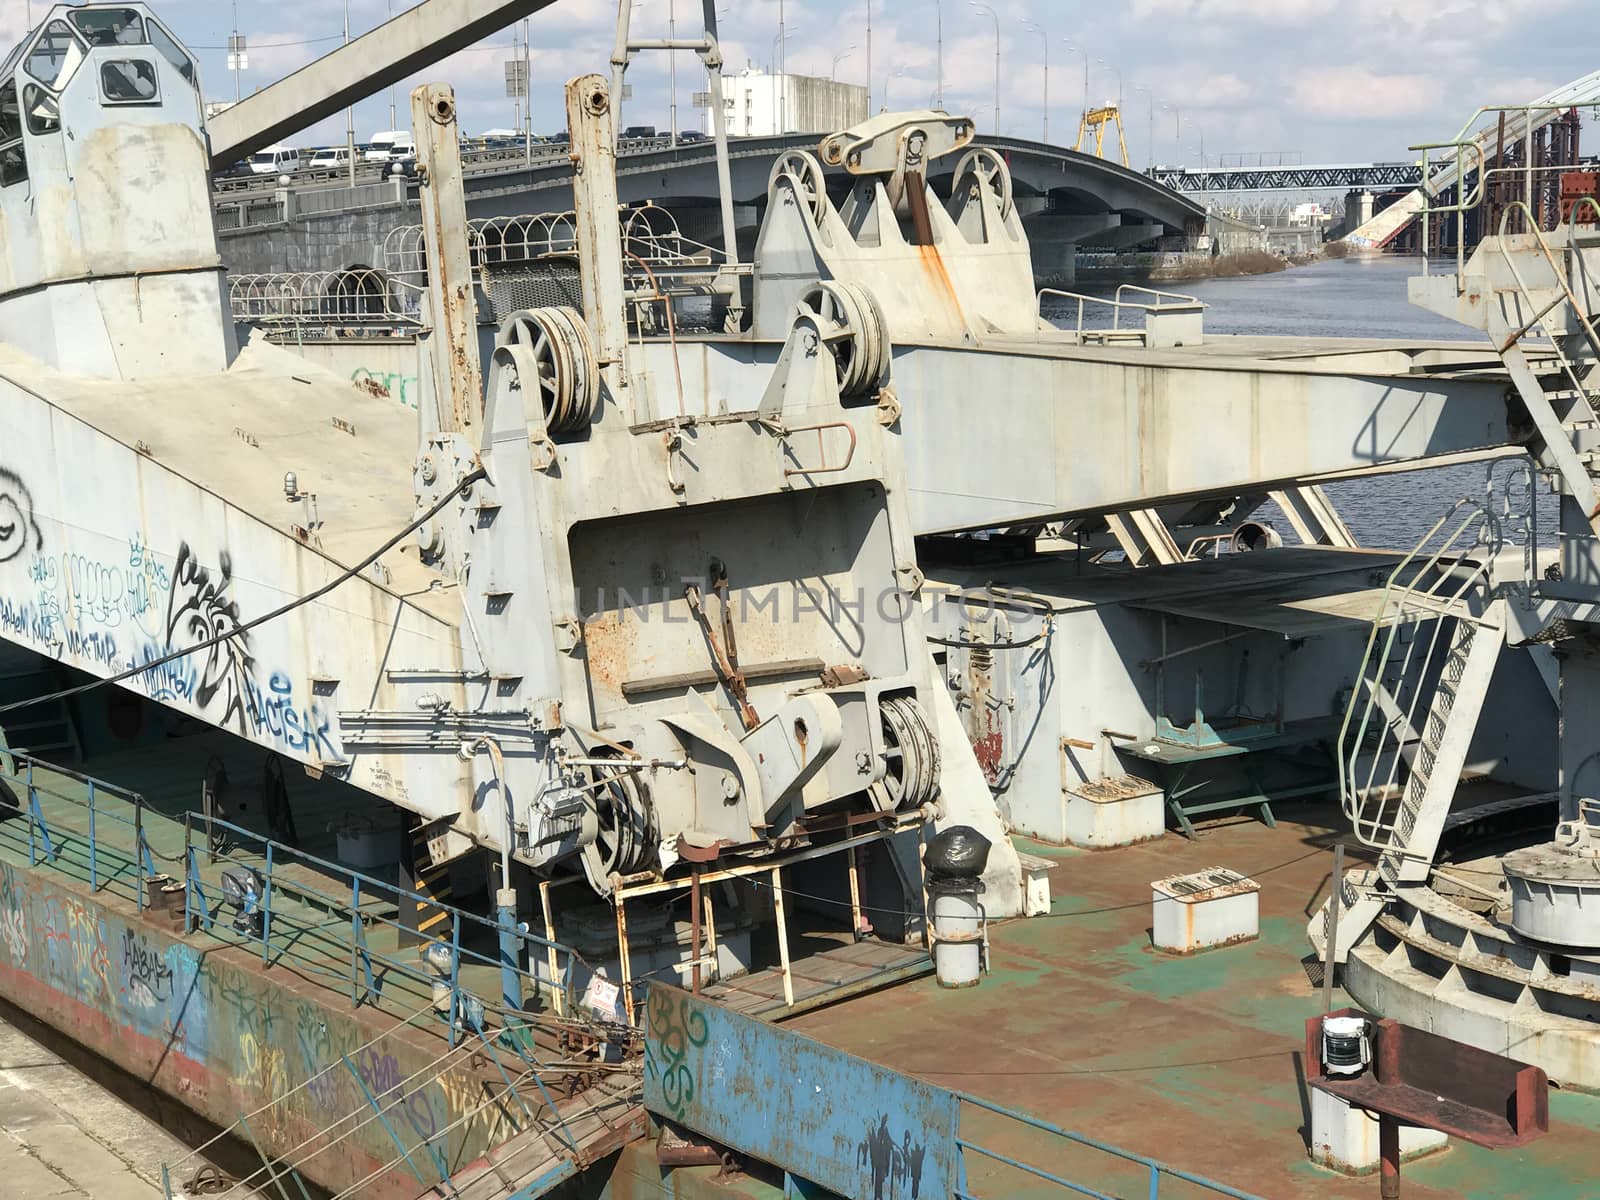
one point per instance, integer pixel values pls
(1556, 272)
(1398, 599)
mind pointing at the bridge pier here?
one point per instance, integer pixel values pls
(1054, 241)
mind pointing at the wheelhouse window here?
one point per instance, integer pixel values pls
(43, 109)
(128, 81)
(172, 52)
(13, 159)
(55, 55)
(110, 26)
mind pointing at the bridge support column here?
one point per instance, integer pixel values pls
(1054, 241)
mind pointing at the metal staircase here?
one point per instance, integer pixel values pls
(1408, 728)
(1536, 295)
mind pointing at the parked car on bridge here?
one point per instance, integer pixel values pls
(275, 160)
(638, 131)
(331, 158)
(691, 135)
(391, 144)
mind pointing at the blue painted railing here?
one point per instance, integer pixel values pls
(83, 851)
(1154, 1170)
(47, 843)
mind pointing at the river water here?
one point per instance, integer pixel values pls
(1355, 298)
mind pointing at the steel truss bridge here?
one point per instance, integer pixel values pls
(1378, 177)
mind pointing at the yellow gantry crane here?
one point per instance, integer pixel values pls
(1095, 121)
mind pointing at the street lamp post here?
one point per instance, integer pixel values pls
(1080, 50)
(1150, 134)
(1117, 71)
(869, 58)
(839, 58)
(235, 53)
(780, 80)
(391, 86)
(527, 93)
(672, 74)
(1044, 40)
(938, 7)
(901, 71)
(984, 8)
(350, 111)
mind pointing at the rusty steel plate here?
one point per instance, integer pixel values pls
(826, 1116)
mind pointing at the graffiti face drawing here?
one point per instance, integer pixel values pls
(18, 530)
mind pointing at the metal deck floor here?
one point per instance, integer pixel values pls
(1195, 1061)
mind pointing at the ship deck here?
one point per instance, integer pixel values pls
(1196, 1061)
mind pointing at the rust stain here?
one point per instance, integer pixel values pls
(372, 387)
(933, 264)
(989, 750)
(607, 642)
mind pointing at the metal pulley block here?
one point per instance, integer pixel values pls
(551, 346)
(853, 325)
(981, 167)
(911, 749)
(805, 174)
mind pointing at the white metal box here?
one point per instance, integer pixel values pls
(1213, 907)
(1118, 811)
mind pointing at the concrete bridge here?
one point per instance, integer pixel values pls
(1067, 200)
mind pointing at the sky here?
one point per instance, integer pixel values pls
(1327, 80)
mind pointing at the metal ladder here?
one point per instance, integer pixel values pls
(1430, 656)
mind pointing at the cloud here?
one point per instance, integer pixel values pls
(1355, 93)
(1269, 12)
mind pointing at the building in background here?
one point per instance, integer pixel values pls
(760, 104)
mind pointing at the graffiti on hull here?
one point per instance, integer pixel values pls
(199, 612)
(131, 612)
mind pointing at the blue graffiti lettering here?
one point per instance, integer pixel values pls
(274, 712)
(171, 680)
(99, 647)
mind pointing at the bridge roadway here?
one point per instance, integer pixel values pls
(1067, 199)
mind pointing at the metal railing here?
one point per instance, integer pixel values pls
(358, 297)
(484, 1041)
(1163, 301)
(649, 232)
(70, 847)
(1153, 1170)
(347, 897)
(1438, 588)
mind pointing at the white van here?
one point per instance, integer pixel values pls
(331, 158)
(275, 160)
(391, 145)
